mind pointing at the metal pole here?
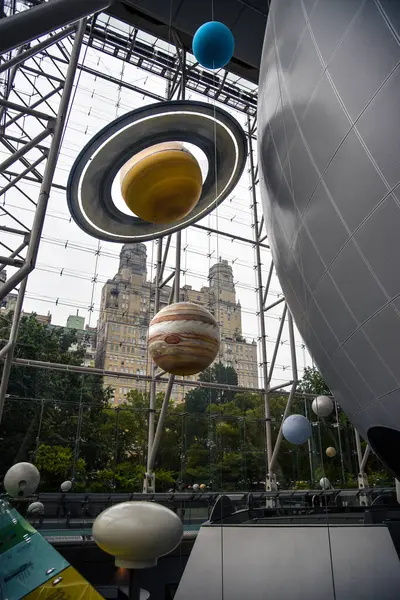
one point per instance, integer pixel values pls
(271, 270)
(50, 168)
(134, 588)
(117, 410)
(291, 395)
(164, 260)
(309, 446)
(177, 280)
(365, 458)
(279, 301)
(153, 385)
(267, 411)
(34, 240)
(10, 81)
(340, 445)
(164, 408)
(12, 342)
(12, 183)
(160, 426)
(24, 149)
(280, 435)
(22, 55)
(15, 252)
(278, 339)
(397, 483)
(28, 25)
(359, 450)
(25, 109)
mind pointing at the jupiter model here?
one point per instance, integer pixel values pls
(329, 154)
(183, 338)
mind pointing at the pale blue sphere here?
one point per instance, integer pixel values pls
(296, 429)
(213, 45)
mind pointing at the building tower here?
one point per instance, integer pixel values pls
(126, 309)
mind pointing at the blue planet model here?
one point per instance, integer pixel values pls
(296, 429)
(213, 45)
(329, 148)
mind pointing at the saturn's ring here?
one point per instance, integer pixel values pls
(208, 127)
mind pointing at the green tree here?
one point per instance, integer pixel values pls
(198, 399)
(313, 383)
(47, 405)
(55, 465)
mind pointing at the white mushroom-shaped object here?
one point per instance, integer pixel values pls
(324, 483)
(36, 508)
(137, 533)
(21, 480)
(66, 486)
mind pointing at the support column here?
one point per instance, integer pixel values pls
(149, 480)
(37, 227)
(362, 476)
(270, 478)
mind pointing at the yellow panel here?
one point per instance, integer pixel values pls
(70, 586)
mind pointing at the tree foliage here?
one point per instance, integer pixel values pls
(64, 423)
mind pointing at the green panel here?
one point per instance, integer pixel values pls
(28, 565)
(13, 528)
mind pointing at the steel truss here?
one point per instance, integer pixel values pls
(25, 132)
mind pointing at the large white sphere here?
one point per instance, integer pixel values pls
(196, 487)
(324, 483)
(137, 533)
(66, 486)
(36, 508)
(21, 480)
(296, 429)
(322, 406)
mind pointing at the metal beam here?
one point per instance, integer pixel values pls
(264, 364)
(28, 25)
(24, 149)
(24, 110)
(278, 339)
(35, 236)
(23, 55)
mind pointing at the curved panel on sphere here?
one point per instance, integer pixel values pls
(329, 148)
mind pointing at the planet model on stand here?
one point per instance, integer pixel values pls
(137, 533)
(183, 338)
(324, 483)
(21, 480)
(162, 183)
(213, 45)
(331, 452)
(322, 406)
(66, 486)
(296, 429)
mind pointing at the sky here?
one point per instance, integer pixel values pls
(72, 266)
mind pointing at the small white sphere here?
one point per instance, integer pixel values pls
(36, 508)
(196, 487)
(137, 533)
(324, 483)
(66, 486)
(322, 406)
(21, 480)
